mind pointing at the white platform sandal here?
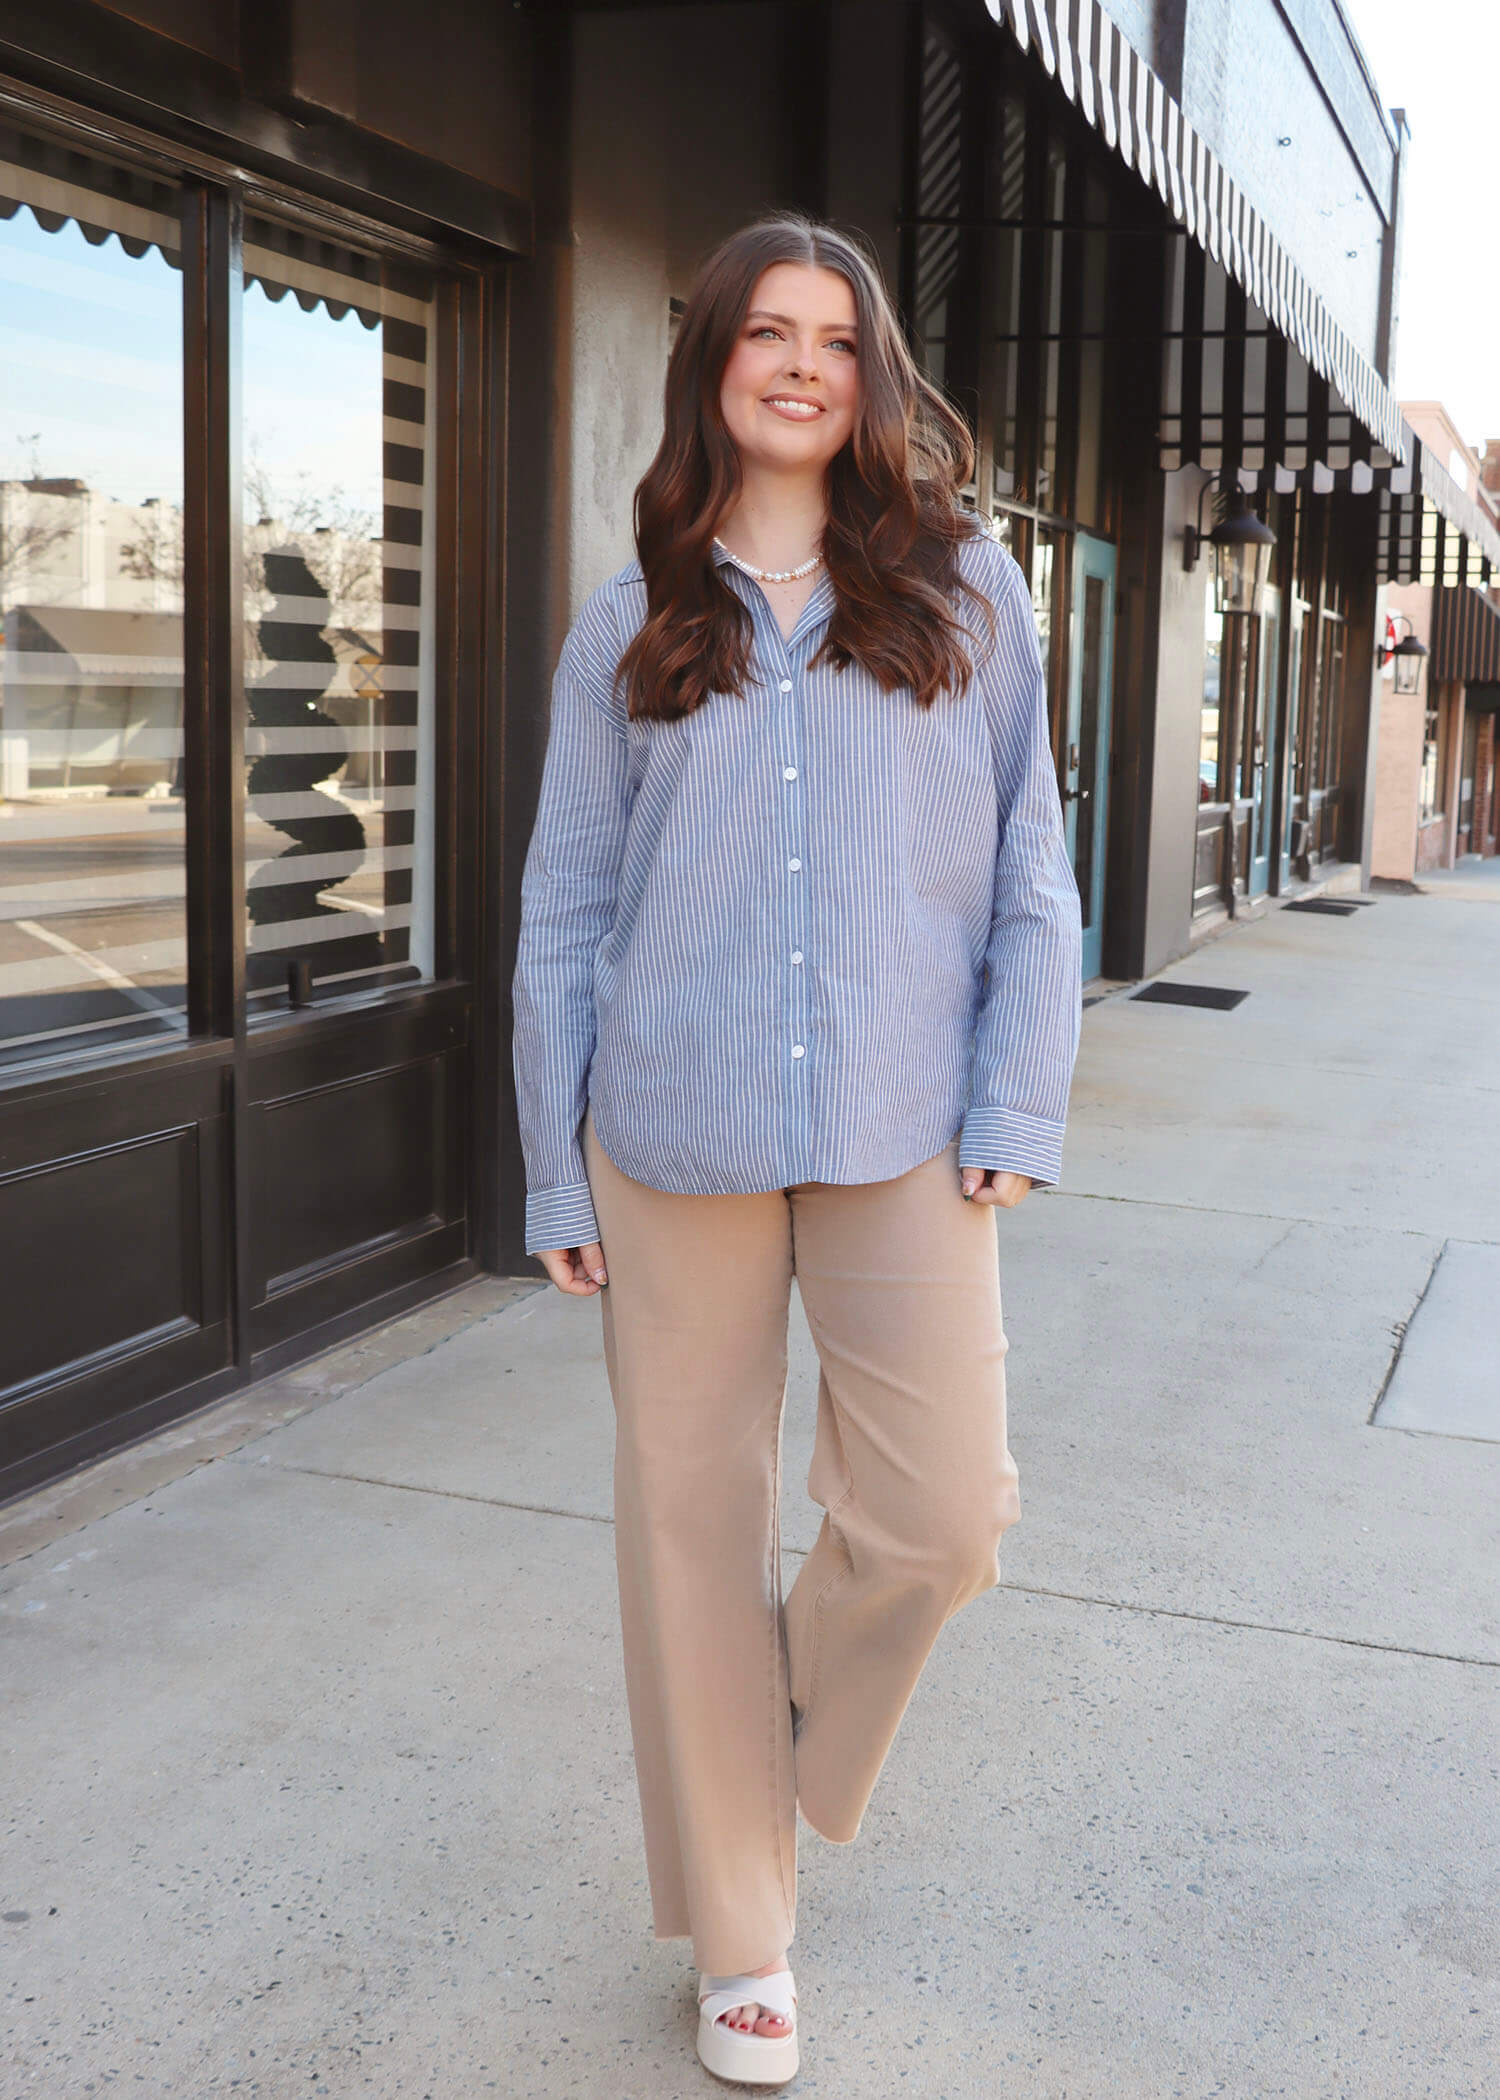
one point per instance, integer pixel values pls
(750, 2059)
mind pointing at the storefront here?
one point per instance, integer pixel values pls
(1121, 292)
(1020, 244)
(247, 699)
(1142, 359)
(1435, 771)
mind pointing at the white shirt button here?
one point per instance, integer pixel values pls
(794, 864)
(789, 772)
(797, 1049)
(786, 685)
(796, 955)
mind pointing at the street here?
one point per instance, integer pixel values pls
(317, 1769)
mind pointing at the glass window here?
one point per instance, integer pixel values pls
(1043, 591)
(338, 608)
(92, 845)
(1230, 741)
(1088, 407)
(1468, 773)
(938, 254)
(1326, 724)
(1048, 573)
(1047, 494)
(1007, 202)
(1432, 796)
(1091, 642)
(1213, 686)
(1259, 757)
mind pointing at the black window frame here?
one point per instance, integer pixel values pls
(467, 318)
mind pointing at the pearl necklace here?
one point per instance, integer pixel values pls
(770, 575)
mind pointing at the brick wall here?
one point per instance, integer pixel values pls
(1398, 780)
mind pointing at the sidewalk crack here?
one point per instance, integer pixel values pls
(1296, 1633)
(1024, 1589)
(1400, 1332)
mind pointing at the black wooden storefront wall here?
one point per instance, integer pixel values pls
(178, 1218)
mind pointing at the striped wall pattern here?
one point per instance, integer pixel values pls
(1126, 102)
(809, 933)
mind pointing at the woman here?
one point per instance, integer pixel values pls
(798, 975)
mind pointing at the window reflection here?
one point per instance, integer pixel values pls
(1047, 573)
(338, 660)
(1213, 686)
(1091, 696)
(92, 871)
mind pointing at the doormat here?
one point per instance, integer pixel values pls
(1215, 995)
(1327, 905)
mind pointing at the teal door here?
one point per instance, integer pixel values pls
(1085, 771)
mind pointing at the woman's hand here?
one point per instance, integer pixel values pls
(577, 1270)
(991, 1187)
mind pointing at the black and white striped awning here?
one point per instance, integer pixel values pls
(1431, 530)
(1128, 104)
(1465, 637)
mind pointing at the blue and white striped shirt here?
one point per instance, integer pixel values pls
(806, 934)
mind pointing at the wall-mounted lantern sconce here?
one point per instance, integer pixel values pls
(1407, 654)
(1242, 545)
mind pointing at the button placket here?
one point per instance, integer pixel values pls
(793, 832)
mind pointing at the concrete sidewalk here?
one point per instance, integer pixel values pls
(317, 1770)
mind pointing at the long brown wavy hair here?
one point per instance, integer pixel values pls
(894, 519)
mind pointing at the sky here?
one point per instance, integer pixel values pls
(90, 375)
(1440, 62)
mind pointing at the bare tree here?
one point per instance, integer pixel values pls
(337, 539)
(30, 527)
(155, 554)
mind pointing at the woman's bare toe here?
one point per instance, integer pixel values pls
(756, 2019)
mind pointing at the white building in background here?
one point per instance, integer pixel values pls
(91, 636)
(64, 543)
(91, 667)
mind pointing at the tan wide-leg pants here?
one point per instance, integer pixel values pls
(899, 1280)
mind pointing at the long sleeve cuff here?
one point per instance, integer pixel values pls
(1007, 1142)
(560, 1217)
